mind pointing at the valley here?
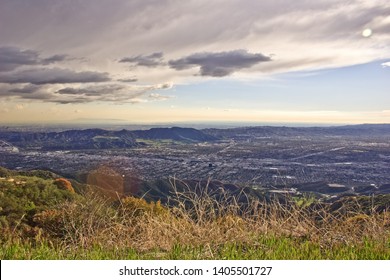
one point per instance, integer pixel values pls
(335, 160)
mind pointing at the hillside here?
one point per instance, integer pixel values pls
(71, 139)
(98, 138)
(47, 218)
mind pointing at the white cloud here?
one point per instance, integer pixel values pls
(159, 97)
(386, 64)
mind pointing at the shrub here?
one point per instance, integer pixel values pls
(64, 184)
(20, 203)
(139, 206)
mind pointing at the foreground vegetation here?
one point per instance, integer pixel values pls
(42, 217)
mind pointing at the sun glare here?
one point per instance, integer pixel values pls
(367, 33)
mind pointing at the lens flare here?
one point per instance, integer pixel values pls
(367, 33)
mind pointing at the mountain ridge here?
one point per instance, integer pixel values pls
(96, 138)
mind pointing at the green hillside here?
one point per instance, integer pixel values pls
(43, 216)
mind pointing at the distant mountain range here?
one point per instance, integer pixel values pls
(107, 139)
(175, 133)
(71, 139)
(284, 131)
(99, 138)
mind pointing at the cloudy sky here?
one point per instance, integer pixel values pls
(140, 61)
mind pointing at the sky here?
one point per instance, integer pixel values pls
(167, 61)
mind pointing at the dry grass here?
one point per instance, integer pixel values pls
(199, 219)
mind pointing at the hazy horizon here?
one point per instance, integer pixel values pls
(145, 126)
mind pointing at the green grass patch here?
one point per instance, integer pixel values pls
(266, 248)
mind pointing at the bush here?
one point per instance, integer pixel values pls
(64, 184)
(4, 172)
(139, 206)
(20, 202)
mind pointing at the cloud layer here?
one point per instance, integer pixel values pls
(386, 64)
(127, 51)
(151, 60)
(13, 57)
(113, 93)
(24, 75)
(40, 76)
(219, 64)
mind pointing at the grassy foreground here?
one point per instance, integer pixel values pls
(273, 248)
(46, 219)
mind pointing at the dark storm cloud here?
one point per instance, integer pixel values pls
(54, 58)
(92, 90)
(70, 90)
(117, 93)
(13, 57)
(152, 60)
(114, 93)
(42, 76)
(41, 96)
(219, 64)
(26, 89)
(29, 92)
(130, 80)
(75, 100)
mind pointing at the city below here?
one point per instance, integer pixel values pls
(325, 161)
